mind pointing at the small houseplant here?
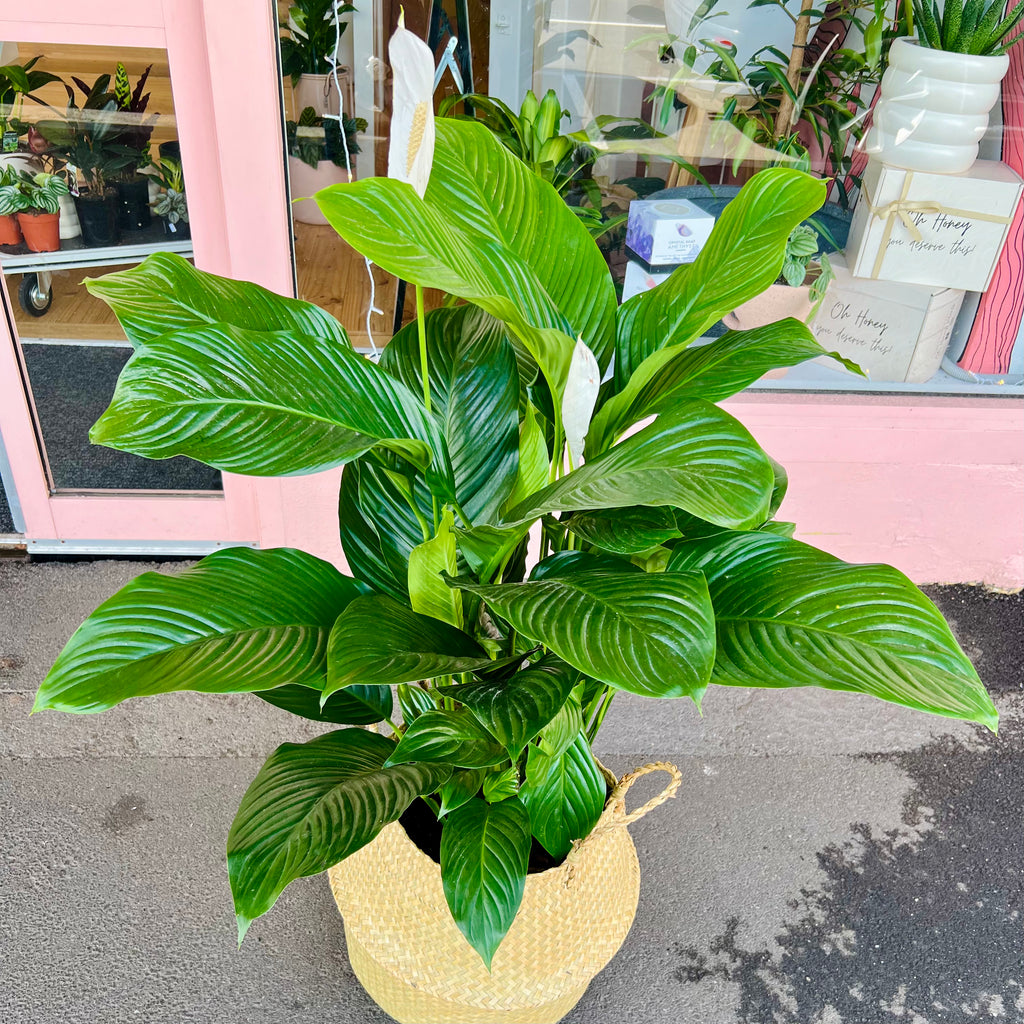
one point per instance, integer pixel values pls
(171, 204)
(799, 290)
(131, 186)
(35, 199)
(10, 233)
(318, 157)
(313, 30)
(662, 567)
(18, 81)
(939, 88)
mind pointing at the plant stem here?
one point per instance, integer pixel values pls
(462, 515)
(595, 725)
(394, 727)
(421, 327)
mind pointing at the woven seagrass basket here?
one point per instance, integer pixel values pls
(411, 958)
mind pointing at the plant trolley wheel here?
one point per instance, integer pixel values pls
(34, 295)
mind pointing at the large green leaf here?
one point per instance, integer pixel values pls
(516, 709)
(790, 615)
(464, 784)
(626, 531)
(741, 259)
(564, 795)
(533, 458)
(378, 641)
(486, 548)
(650, 633)
(479, 185)
(696, 457)
(448, 737)
(239, 621)
(428, 562)
(267, 404)
(311, 805)
(712, 372)
(485, 852)
(378, 529)
(358, 705)
(474, 390)
(166, 293)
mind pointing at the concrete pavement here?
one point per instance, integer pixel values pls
(829, 860)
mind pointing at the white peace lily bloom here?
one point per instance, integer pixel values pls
(411, 151)
(579, 399)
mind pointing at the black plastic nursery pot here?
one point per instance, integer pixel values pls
(98, 217)
(133, 204)
(179, 230)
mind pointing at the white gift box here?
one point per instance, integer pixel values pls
(937, 230)
(639, 279)
(894, 332)
(667, 232)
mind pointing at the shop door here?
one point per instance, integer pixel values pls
(203, 95)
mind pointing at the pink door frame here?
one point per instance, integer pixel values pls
(933, 485)
(229, 128)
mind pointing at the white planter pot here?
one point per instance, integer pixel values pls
(305, 181)
(934, 108)
(748, 28)
(318, 92)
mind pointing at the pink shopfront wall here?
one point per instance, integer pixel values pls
(934, 485)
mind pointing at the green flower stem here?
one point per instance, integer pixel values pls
(421, 327)
(396, 729)
(595, 725)
(466, 521)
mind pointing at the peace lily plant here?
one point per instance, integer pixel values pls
(542, 505)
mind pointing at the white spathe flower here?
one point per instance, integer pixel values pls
(411, 151)
(579, 399)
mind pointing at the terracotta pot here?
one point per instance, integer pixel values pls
(305, 181)
(10, 233)
(412, 959)
(41, 231)
(777, 303)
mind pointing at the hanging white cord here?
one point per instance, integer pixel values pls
(340, 118)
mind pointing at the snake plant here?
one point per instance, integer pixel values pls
(968, 26)
(658, 566)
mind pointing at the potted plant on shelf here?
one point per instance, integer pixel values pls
(131, 186)
(486, 871)
(18, 81)
(10, 233)
(799, 290)
(35, 200)
(318, 157)
(171, 204)
(939, 88)
(314, 28)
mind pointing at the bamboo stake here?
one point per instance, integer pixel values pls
(796, 63)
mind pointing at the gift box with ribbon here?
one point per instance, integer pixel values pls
(940, 230)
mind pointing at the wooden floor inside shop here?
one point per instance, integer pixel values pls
(330, 274)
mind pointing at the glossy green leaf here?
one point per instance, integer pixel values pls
(413, 700)
(652, 634)
(241, 620)
(358, 705)
(474, 390)
(563, 563)
(165, 293)
(428, 592)
(790, 615)
(534, 460)
(487, 547)
(448, 737)
(696, 457)
(516, 709)
(501, 785)
(485, 852)
(626, 531)
(711, 372)
(484, 189)
(311, 805)
(378, 641)
(378, 530)
(266, 404)
(564, 796)
(741, 259)
(464, 784)
(559, 734)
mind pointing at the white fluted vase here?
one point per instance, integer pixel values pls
(934, 108)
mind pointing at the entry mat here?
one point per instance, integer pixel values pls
(72, 386)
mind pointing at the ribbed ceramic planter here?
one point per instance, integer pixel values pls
(934, 108)
(411, 958)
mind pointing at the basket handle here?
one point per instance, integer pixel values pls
(617, 799)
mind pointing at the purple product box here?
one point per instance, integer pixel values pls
(667, 232)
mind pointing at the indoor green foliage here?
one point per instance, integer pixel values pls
(313, 27)
(981, 27)
(661, 571)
